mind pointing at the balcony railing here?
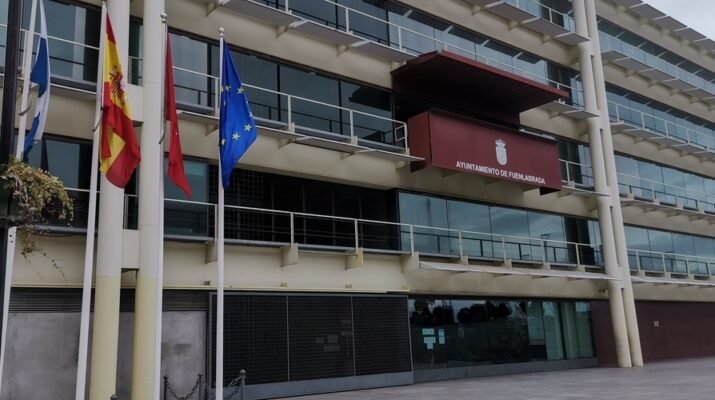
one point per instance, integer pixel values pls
(661, 128)
(547, 13)
(663, 263)
(397, 37)
(196, 221)
(665, 194)
(656, 67)
(192, 220)
(197, 91)
(580, 175)
(73, 64)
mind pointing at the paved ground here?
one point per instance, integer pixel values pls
(692, 379)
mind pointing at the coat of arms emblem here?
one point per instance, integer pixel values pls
(501, 152)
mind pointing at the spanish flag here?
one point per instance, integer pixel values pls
(119, 154)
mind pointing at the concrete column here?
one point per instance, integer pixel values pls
(105, 330)
(615, 295)
(612, 177)
(147, 315)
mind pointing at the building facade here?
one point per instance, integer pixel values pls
(439, 189)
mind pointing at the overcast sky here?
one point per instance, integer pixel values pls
(697, 14)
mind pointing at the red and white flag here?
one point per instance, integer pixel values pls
(176, 160)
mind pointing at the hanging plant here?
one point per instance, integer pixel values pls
(32, 198)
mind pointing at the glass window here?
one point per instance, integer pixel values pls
(183, 218)
(474, 219)
(552, 331)
(582, 311)
(310, 113)
(192, 88)
(468, 338)
(372, 26)
(514, 225)
(570, 330)
(75, 62)
(428, 318)
(372, 101)
(508, 331)
(70, 161)
(425, 211)
(537, 340)
(262, 73)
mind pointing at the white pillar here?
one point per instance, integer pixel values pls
(147, 317)
(615, 295)
(612, 177)
(105, 330)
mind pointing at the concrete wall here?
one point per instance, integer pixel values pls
(41, 359)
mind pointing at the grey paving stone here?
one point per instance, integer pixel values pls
(692, 379)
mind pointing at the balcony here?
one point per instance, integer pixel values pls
(656, 69)
(666, 134)
(419, 247)
(535, 16)
(577, 179)
(678, 266)
(297, 119)
(572, 106)
(393, 43)
(73, 65)
(656, 196)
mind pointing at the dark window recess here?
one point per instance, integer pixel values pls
(324, 199)
(381, 336)
(321, 337)
(254, 338)
(280, 338)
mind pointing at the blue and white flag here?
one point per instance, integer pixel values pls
(41, 77)
(237, 128)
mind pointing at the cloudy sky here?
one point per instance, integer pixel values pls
(697, 14)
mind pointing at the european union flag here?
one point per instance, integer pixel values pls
(237, 128)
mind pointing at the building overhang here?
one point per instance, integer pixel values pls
(449, 79)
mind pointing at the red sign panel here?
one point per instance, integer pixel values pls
(472, 146)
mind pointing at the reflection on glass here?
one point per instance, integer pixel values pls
(452, 333)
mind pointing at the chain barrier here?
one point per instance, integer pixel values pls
(168, 389)
(236, 386)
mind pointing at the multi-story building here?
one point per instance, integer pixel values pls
(439, 189)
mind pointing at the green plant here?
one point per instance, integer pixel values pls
(38, 197)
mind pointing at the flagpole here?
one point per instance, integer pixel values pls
(80, 387)
(26, 66)
(160, 269)
(220, 248)
(12, 232)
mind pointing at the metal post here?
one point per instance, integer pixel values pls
(201, 391)
(357, 236)
(412, 239)
(292, 228)
(7, 126)
(289, 108)
(242, 384)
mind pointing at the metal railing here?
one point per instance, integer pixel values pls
(662, 262)
(650, 190)
(547, 13)
(415, 43)
(193, 220)
(579, 174)
(293, 112)
(661, 127)
(609, 42)
(69, 60)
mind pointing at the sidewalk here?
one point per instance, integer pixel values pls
(692, 379)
